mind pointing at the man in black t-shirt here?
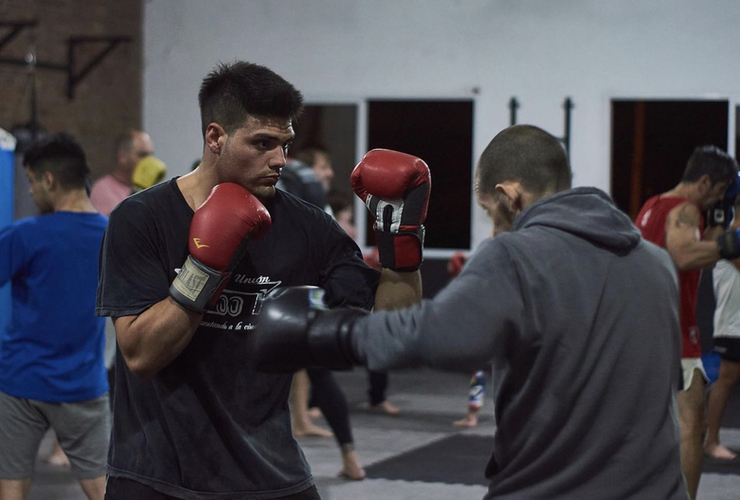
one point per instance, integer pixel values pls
(184, 267)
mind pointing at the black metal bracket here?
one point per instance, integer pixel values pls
(513, 106)
(567, 106)
(73, 79)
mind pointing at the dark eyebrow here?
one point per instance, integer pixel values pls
(271, 137)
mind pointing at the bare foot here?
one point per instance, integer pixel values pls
(314, 412)
(468, 421)
(384, 407)
(719, 452)
(310, 429)
(352, 469)
(387, 408)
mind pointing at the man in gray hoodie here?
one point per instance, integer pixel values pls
(577, 313)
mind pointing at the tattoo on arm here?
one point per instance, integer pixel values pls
(687, 218)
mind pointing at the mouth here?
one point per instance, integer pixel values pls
(271, 180)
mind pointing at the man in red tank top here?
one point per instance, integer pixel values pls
(674, 220)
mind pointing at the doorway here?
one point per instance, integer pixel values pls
(653, 139)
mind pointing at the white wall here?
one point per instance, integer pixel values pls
(540, 51)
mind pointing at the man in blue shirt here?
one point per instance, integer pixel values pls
(52, 371)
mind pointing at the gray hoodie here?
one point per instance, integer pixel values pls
(579, 317)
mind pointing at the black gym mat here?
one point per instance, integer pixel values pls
(457, 459)
(715, 466)
(732, 414)
(461, 459)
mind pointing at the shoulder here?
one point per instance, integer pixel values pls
(26, 224)
(492, 251)
(13, 229)
(102, 181)
(105, 183)
(151, 200)
(685, 213)
(284, 201)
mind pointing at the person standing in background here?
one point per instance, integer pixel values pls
(111, 189)
(52, 371)
(343, 210)
(315, 390)
(726, 282)
(674, 220)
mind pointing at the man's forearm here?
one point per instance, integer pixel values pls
(397, 290)
(151, 340)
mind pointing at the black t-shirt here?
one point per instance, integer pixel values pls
(209, 422)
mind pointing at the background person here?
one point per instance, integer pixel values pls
(577, 313)
(112, 188)
(477, 386)
(52, 371)
(674, 221)
(317, 387)
(726, 283)
(343, 209)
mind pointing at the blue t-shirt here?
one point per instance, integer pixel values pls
(52, 349)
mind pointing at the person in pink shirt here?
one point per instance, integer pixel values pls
(111, 189)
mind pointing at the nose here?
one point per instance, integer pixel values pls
(279, 159)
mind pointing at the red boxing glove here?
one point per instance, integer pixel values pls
(395, 187)
(219, 232)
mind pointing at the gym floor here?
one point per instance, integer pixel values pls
(418, 454)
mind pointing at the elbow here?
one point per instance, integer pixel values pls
(143, 370)
(145, 375)
(682, 264)
(682, 261)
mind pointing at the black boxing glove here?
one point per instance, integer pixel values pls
(296, 330)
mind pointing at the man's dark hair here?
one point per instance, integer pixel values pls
(712, 161)
(232, 92)
(62, 156)
(526, 154)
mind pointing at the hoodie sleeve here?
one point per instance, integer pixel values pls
(466, 326)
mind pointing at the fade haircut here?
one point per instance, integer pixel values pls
(233, 92)
(712, 161)
(525, 154)
(62, 156)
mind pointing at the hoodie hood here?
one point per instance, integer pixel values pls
(586, 212)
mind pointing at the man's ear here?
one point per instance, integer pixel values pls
(215, 138)
(512, 192)
(48, 180)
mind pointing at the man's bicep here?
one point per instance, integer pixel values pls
(13, 254)
(132, 276)
(682, 229)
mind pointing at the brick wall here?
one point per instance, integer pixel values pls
(106, 102)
